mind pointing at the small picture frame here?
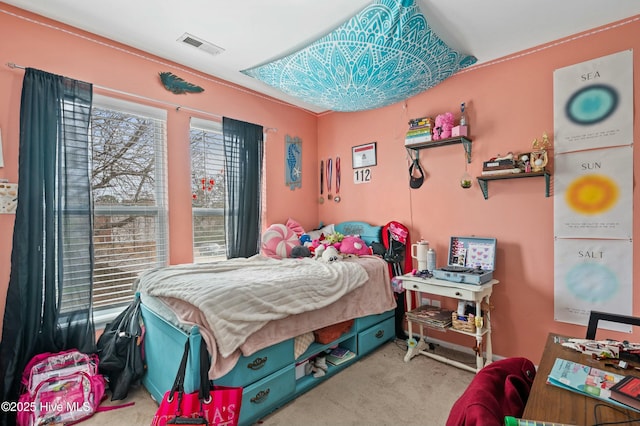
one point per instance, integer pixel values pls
(363, 155)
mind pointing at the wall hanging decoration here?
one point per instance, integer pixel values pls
(177, 85)
(384, 54)
(363, 155)
(1, 156)
(8, 197)
(337, 198)
(321, 198)
(293, 161)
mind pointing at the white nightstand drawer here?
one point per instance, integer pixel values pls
(455, 292)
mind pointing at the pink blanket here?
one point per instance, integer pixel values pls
(375, 296)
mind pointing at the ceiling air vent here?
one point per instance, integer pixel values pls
(200, 44)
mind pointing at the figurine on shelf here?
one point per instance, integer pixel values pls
(524, 163)
(539, 157)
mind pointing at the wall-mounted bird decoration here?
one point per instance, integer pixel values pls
(178, 86)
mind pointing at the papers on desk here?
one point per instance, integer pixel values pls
(585, 380)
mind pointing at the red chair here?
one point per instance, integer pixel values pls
(500, 389)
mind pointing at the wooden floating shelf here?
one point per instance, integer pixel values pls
(466, 143)
(483, 180)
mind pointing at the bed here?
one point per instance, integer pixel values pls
(259, 338)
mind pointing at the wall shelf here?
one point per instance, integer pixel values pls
(466, 143)
(483, 181)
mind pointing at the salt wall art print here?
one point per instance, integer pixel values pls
(592, 275)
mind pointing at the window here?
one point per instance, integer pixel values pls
(129, 195)
(207, 190)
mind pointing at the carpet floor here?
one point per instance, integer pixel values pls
(380, 389)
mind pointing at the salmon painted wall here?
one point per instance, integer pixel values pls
(510, 102)
(33, 41)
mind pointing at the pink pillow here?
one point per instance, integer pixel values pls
(278, 240)
(295, 227)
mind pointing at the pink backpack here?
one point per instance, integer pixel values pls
(60, 388)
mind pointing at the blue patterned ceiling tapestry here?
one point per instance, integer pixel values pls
(384, 54)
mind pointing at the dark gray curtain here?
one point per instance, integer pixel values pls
(52, 251)
(243, 152)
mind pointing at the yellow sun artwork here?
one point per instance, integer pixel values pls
(592, 194)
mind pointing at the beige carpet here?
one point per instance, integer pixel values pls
(380, 389)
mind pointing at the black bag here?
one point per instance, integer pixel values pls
(120, 351)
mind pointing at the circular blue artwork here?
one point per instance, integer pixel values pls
(592, 282)
(592, 104)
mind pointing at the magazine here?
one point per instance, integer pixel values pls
(585, 380)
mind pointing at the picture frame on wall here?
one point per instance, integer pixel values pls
(363, 155)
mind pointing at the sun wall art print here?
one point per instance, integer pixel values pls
(594, 193)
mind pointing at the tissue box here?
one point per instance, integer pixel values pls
(301, 369)
(459, 131)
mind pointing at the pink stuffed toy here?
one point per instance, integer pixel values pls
(354, 245)
(443, 125)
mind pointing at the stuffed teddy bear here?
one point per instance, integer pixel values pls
(330, 254)
(354, 245)
(443, 125)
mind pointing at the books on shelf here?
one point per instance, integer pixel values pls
(340, 355)
(498, 164)
(585, 380)
(431, 316)
(501, 172)
(627, 391)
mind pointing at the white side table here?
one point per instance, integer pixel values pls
(476, 293)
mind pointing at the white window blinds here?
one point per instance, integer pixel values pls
(129, 194)
(207, 190)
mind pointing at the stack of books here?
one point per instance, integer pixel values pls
(419, 131)
(431, 316)
(340, 355)
(499, 167)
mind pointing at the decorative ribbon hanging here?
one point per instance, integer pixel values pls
(329, 177)
(321, 199)
(337, 197)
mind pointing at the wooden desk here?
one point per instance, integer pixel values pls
(553, 404)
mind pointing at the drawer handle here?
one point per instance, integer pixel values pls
(415, 286)
(458, 293)
(257, 363)
(261, 396)
(379, 334)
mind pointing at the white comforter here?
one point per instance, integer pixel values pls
(239, 296)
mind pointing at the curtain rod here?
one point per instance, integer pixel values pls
(133, 95)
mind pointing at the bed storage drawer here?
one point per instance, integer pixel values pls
(259, 365)
(374, 336)
(366, 322)
(164, 346)
(260, 398)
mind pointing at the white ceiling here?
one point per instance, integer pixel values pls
(255, 31)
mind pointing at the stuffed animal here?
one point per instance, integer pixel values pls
(352, 244)
(330, 254)
(300, 251)
(443, 125)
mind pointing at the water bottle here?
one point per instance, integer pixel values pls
(431, 260)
